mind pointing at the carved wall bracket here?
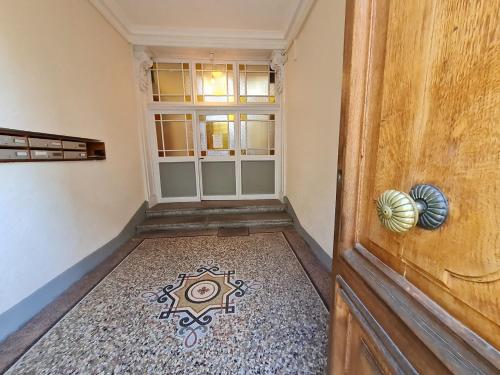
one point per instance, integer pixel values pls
(143, 62)
(278, 58)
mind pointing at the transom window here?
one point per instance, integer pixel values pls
(213, 83)
(171, 82)
(257, 84)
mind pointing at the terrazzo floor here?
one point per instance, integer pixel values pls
(192, 305)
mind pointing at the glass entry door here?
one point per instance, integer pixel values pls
(218, 156)
(175, 158)
(214, 155)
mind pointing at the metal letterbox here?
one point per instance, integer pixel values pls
(75, 155)
(13, 141)
(45, 143)
(70, 145)
(13, 154)
(46, 154)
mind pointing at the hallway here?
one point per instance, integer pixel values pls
(195, 302)
(249, 187)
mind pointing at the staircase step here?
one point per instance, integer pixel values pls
(215, 208)
(215, 221)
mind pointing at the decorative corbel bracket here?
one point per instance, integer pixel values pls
(143, 62)
(278, 59)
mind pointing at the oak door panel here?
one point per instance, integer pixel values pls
(362, 346)
(433, 116)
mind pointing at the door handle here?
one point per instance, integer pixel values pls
(425, 205)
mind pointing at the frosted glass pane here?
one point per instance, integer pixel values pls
(258, 68)
(174, 135)
(170, 66)
(214, 83)
(257, 84)
(218, 178)
(159, 137)
(187, 86)
(171, 82)
(217, 135)
(190, 135)
(154, 82)
(257, 135)
(257, 177)
(271, 135)
(172, 98)
(173, 117)
(178, 179)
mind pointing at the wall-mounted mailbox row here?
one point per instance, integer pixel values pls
(17, 145)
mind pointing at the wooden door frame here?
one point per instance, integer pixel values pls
(394, 313)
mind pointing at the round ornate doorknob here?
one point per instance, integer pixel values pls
(426, 206)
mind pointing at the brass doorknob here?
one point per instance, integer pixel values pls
(426, 206)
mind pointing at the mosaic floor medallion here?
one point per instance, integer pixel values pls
(203, 305)
(196, 298)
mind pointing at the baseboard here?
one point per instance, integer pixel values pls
(318, 251)
(19, 314)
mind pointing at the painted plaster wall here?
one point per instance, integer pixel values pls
(65, 70)
(313, 81)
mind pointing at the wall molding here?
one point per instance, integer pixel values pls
(317, 250)
(22, 312)
(198, 38)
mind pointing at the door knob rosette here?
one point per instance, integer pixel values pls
(426, 206)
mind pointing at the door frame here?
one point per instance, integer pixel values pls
(391, 310)
(195, 108)
(195, 111)
(155, 159)
(213, 159)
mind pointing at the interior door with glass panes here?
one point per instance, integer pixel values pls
(175, 156)
(259, 161)
(226, 146)
(219, 162)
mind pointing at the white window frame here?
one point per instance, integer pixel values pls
(195, 109)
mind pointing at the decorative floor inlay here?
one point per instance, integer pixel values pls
(196, 298)
(192, 305)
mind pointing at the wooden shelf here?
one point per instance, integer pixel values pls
(24, 146)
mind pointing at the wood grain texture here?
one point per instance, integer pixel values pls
(432, 115)
(460, 152)
(453, 345)
(420, 104)
(371, 342)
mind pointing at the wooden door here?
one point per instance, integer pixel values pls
(421, 104)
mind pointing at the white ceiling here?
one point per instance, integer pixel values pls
(205, 53)
(254, 24)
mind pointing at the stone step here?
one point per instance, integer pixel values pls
(215, 221)
(215, 208)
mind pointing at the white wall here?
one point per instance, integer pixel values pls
(312, 111)
(64, 70)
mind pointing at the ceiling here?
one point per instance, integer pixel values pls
(247, 24)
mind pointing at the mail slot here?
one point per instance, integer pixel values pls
(42, 154)
(13, 154)
(70, 145)
(75, 155)
(13, 141)
(45, 143)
